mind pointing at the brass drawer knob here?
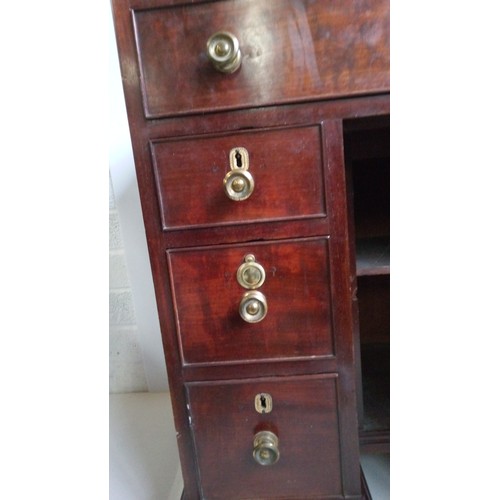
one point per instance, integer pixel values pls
(223, 50)
(251, 274)
(239, 183)
(265, 448)
(253, 307)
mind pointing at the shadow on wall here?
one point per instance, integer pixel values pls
(126, 367)
(143, 457)
(136, 352)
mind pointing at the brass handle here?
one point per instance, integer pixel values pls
(251, 274)
(265, 448)
(253, 307)
(239, 183)
(223, 50)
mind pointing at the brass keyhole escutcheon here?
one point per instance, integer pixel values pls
(251, 274)
(238, 183)
(263, 403)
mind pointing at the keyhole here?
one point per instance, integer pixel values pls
(239, 163)
(263, 403)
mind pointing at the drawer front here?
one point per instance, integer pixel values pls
(290, 51)
(285, 166)
(208, 297)
(303, 418)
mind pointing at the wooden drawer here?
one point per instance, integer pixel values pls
(285, 165)
(291, 51)
(207, 298)
(224, 421)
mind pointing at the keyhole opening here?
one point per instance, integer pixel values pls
(263, 402)
(239, 163)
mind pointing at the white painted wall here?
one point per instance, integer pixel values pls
(126, 365)
(139, 341)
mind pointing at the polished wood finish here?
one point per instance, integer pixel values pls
(291, 51)
(189, 175)
(207, 298)
(304, 417)
(314, 79)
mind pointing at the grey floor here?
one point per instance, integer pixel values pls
(144, 463)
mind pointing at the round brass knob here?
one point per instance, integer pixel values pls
(239, 184)
(251, 274)
(253, 307)
(223, 50)
(265, 448)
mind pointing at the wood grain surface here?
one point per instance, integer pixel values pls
(313, 74)
(286, 165)
(207, 296)
(291, 51)
(304, 417)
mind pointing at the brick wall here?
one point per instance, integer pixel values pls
(126, 368)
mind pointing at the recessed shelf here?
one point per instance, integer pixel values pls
(372, 256)
(367, 147)
(376, 386)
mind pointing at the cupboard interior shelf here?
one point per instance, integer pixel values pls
(374, 432)
(376, 401)
(367, 147)
(372, 256)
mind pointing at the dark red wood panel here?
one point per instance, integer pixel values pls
(297, 288)
(308, 66)
(291, 51)
(304, 417)
(286, 165)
